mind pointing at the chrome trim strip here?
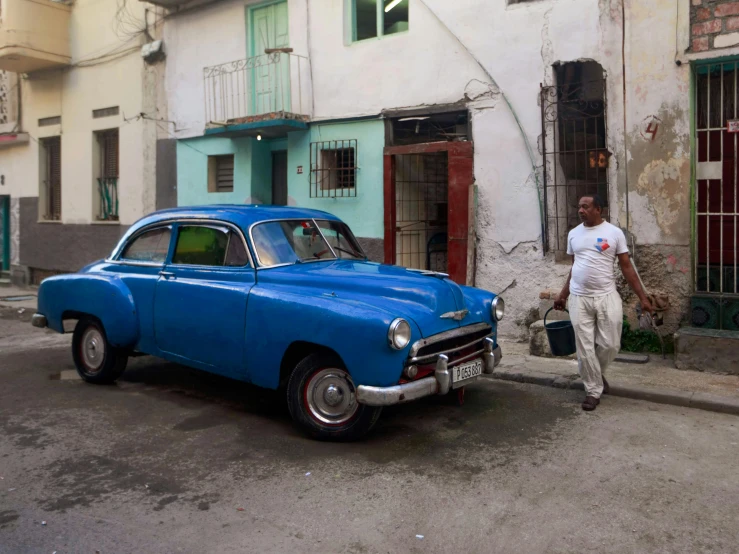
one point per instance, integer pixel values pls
(461, 331)
(131, 262)
(420, 359)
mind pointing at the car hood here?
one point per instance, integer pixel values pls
(421, 296)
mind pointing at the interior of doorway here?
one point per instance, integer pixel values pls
(421, 211)
(279, 178)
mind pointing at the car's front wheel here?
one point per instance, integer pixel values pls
(95, 359)
(323, 402)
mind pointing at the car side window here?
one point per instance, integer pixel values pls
(151, 246)
(200, 245)
(236, 255)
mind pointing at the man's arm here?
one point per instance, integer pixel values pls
(560, 301)
(632, 278)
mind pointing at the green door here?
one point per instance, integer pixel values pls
(4, 233)
(270, 77)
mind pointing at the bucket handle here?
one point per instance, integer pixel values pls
(546, 314)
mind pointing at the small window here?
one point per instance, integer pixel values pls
(373, 18)
(333, 169)
(107, 179)
(151, 246)
(198, 245)
(51, 152)
(221, 173)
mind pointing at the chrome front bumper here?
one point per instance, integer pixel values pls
(439, 383)
(38, 320)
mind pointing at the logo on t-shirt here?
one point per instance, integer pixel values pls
(602, 245)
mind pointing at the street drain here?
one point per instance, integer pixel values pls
(17, 298)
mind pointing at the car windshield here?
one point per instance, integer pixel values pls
(295, 241)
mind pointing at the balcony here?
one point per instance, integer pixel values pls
(34, 35)
(266, 95)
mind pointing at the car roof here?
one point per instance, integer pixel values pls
(240, 214)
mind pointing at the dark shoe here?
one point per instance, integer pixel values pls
(590, 403)
(606, 386)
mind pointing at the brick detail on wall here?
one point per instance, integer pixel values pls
(712, 21)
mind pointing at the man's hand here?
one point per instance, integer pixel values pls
(646, 305)
(560, 302)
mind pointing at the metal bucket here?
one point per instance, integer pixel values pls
(561, 335)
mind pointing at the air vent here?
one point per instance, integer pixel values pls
(46, 121)
(105, 112)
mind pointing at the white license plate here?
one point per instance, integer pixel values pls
(462, 374)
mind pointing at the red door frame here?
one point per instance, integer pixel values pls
(461, 178)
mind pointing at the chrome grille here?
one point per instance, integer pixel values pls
(459, 345)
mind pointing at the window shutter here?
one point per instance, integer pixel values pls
(109, 149)
(224, 173)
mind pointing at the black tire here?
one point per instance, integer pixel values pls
(345, 421)
(101, 363)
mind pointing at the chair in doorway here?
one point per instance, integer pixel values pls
(436, 251)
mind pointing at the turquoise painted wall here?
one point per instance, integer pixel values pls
(363, 213)
(252, 171)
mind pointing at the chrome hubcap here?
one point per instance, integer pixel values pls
(93, 349)
(330, 396)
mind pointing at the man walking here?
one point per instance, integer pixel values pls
(596, 310)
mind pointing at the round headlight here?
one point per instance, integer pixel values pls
(399, 334)
(497, 309)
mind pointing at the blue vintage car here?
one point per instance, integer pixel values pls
(283, 298)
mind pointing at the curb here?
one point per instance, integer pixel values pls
(697, 400)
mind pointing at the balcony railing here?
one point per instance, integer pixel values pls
(108, 189)
(257, 88)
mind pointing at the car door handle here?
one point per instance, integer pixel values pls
(166, 274)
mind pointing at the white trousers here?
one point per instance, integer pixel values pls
(597, 321)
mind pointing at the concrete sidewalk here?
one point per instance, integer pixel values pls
(657, 381)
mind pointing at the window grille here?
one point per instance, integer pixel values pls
(333, 169)
(221, 173)
(108, 179)
(48, 121)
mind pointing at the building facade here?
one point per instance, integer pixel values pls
(82, 166)
(451, 136)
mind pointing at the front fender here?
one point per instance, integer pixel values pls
(357, 332)
(105, 297)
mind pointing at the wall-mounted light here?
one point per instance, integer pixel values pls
(259, 137)
(391, 5)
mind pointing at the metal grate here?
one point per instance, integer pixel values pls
(421, 209)
(575, 154)
(717, 179)
(105, 112)
(53, 181)
(333, 169)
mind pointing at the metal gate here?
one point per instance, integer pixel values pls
(421, 208)
(575, 153)
(716, 203)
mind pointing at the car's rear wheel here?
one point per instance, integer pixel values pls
(95, 359)
(322, 400)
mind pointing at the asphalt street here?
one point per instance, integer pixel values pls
(176, 460)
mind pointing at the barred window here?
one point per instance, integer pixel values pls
(334, 169)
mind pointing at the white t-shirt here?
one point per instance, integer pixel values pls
(595, 250)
